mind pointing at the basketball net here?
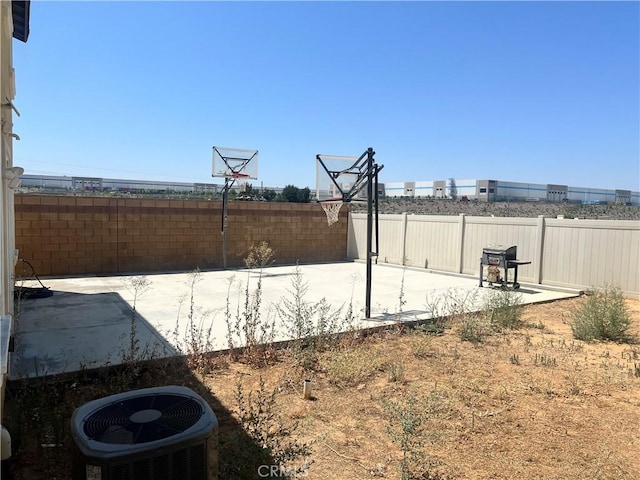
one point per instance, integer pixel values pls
(332, 209)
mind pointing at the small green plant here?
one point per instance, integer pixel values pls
(312, 326)
(603, 316)
(197, 345)
(504, 309)
(422, 344)
(473, 328)
(395, 371)
(249, 334)
(233, 328)
(258, 417)
(402, 301)
(132, 354)
(258, 332)
(407, 418)
(574, 384)
(137, 285)
(544, 360)
(514, 359)
(452, 304)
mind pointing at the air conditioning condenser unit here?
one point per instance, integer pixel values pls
(161, 433)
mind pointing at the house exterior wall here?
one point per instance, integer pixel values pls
(7, 236)
(76, 235)
(7, 94)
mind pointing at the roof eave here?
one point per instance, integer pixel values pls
(20, 12)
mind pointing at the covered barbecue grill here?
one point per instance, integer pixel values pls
(498, 260)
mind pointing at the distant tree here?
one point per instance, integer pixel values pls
(249, 190)
(293, 194)
(269, 195)
(290, 193)
(453, 190)
(304, 195)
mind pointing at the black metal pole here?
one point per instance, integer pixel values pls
(370, 154)
(227, 187)
(377, 251)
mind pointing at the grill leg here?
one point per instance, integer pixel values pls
(481, 273)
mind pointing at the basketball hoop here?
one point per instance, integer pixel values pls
(239, 175)
(332, 209)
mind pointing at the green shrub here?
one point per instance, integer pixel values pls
(312, 326)
(604, 316)
(474, 327)
(408, 419)
(406, 428)
(504, 309)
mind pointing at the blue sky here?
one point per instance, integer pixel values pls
(539, 92)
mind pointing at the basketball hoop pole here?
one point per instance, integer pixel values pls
(370, 154)
(228, 183)
(232, 164)
(372, 201)
(360, 172)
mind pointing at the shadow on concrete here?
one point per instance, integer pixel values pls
(527, 291)
(273, 275)
(407, 316)
(71, 331)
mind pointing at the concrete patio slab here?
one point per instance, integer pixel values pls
(87, 323)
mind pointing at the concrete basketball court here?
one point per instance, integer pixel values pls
(86, 323)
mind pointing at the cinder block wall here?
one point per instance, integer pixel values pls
(68, 235)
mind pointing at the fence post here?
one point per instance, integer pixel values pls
(404, 239)
(461, 226)
(539, 250)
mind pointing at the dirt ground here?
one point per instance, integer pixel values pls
(528, 404)
(531, 404)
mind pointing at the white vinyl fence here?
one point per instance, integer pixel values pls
(570, 253)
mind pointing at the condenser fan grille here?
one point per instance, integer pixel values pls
(142, 419)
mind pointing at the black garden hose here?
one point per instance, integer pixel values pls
(25, 293)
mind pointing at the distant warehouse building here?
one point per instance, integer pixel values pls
(70, 184)
(498, 190)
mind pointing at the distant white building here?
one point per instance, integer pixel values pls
(499, 190)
